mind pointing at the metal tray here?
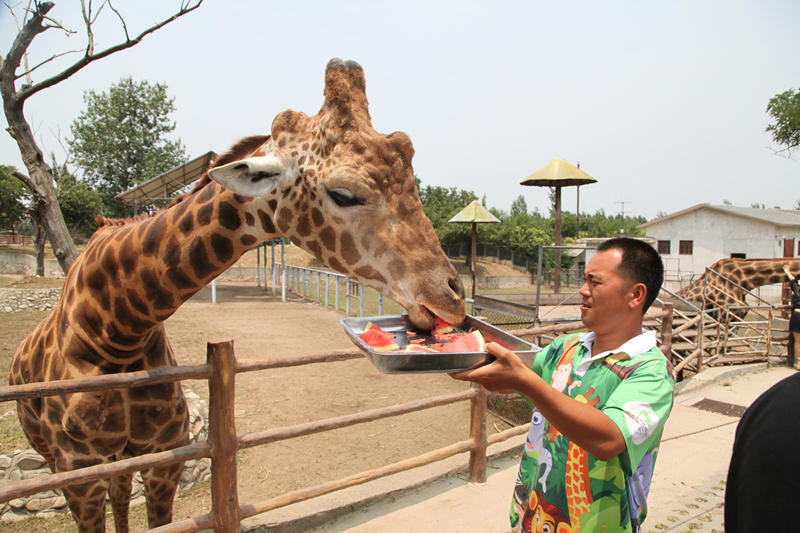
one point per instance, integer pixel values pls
(427, 362)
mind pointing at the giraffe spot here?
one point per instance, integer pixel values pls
(119, 337)
(249, 219)
(349, 251)
(204, 214)
(172, 255)
(314, 248)
(206, 194)
(248, 240)
(242, 199)
(298, 181)
(273, 205)
(169, 431)
(266, 222)
(328, 238)
(96, 283)
(186, 223)
(284, 219)
(317, 217)
(303, 226)
(223, 247)
(229, 216)
(107, 445)
(179, 279)
(153, 236)
(367, 272)
(198, 258)
(336, 265)
(397, 268)
(301, 161)
(128, 255)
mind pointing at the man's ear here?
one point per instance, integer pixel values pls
(254, 176)
(638, 294)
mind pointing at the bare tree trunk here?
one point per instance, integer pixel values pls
(39, 240)
(40, 179)
(40, 175)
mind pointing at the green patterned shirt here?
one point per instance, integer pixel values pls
(560, 486)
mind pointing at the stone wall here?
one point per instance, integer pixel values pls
(27, 464)
(13, 300)
(26, 264)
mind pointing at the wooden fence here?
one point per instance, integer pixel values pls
(223, 442)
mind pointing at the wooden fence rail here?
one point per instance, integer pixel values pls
(223, 443)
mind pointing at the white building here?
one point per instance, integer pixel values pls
(693, 239)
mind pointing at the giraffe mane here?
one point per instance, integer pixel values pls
(242, 148)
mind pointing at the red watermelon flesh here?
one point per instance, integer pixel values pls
(379, 339)
(443, 341)
(466, 342)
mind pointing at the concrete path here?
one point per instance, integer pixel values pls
(687, 492)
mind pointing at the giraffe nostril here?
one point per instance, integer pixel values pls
(455, 284)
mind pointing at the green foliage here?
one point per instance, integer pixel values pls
(440, 205)
(120, 139)
(784, 108)
(12, 196)
(521, 230)
(79, 205)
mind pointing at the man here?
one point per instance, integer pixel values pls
(600, 403)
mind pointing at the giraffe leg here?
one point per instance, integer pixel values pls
(160, 485)
(87, 502)
(119, 491)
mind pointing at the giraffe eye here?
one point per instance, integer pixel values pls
(344, 198)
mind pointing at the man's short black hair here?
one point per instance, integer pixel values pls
(640, 264)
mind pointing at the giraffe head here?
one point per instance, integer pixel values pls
(346, 193)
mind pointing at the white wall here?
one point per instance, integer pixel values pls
(717, 235)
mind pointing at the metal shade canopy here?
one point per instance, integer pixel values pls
(559, 173)
(475, 213)
(164, 185)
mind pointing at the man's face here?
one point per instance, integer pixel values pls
(604, 294)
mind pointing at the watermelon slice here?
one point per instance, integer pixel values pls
(379, 339)
(468, 342)
(440, 327)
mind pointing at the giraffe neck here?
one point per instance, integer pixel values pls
(134, 276)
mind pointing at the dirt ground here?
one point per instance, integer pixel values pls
(263, 327)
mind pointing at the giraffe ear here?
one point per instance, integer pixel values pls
(254, 176)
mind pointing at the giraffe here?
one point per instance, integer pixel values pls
(748, 273)
(329, 182)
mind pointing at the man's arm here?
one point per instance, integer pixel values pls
(581, 423)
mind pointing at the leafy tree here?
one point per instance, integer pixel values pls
(519, 206)
(784, 108)
(17, 86)
(440, 204)
(120, 139)
(12, 193)
(79, 203)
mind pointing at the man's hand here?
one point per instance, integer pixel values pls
(580, 422)
(504, 374)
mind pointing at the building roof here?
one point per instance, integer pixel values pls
(168, 183)
(778, 217)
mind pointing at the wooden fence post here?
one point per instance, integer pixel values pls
(222, 436)
(477, 434)
(666, 331)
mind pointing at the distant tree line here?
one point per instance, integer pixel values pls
(521, 229)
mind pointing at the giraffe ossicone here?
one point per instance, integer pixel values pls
(329, 182)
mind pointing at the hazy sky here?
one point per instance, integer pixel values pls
(663, 102)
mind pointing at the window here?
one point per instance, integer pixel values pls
(685, 247)
(663, 247)
(738, 256)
